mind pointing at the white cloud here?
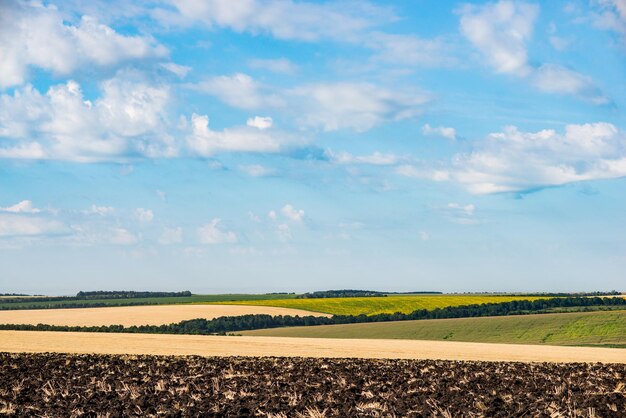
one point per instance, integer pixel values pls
(25, 206)
(356, 106)
(464, 209)
(211, 233)
(376, 158)
(514, 160)
(32, 34)
(283, 233)
(500, 32)
(279, 65)
(612, 16)
(553, 78)
(99, 210)
(171, 236)
(424, 236)
(129, 118)
(408, 49)
(272, 214)
(283, 19)
(179, 70)
(260, 122)
(329, 106)
(240, 91)
(445, 132)
(256, 170)
(122, 236)
(292, 213)
(205, 142)
(161, 195)
(14, 225)
(144, 215)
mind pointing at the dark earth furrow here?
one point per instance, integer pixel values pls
(107, 385)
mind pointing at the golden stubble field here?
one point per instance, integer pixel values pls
(160, 344)
(138, 315)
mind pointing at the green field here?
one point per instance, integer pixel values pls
(146, 301)
(607, 328)
(376, 305)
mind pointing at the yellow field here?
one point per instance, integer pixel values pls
(137, 315)
(376, 305)
(82, 342)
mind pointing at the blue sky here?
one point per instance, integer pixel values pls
(278, 145)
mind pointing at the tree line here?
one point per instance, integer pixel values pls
(91, 295)
(226, 324)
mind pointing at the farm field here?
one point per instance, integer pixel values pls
(40, 385)
(578, 328)
(376, 305)
(137, 315)
(167, 344)
(142, 301)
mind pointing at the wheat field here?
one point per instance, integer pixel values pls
(138, 315)
(101, 343)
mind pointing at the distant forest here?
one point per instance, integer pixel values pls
(227, 324)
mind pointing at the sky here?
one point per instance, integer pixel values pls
(282, 145)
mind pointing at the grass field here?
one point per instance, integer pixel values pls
(376, 305)
(137, 315)
(88, 342)
(149, 301)
(581, 328)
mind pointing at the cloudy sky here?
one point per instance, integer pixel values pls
(282, 145)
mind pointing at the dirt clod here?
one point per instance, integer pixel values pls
(115, 386)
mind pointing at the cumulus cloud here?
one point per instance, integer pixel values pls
(122, 236)
(99, 210)
(514, 160)
(278, 65)
(500, 32)
(171, 236)
(442, 131)
(292, 213)
(144, 215)
(25, 206)
(128, 118)
(260, 122)
(16, 225)
(205, 142)
(612, 16)
(328, 106)
(212, 233)
(35, 35)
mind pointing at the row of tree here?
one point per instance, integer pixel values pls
(128, 294)
(92, 295)
(226, 324)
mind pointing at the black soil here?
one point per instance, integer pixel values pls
(61, 385)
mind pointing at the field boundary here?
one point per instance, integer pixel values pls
(98, 343)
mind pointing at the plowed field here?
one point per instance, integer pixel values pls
(115, 386)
